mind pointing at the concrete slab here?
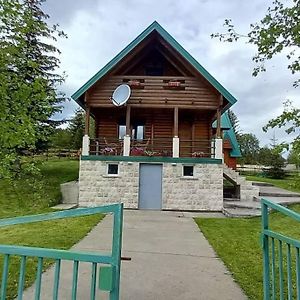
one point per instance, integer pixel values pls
(276, 192)
(171, 259)
(64, 206)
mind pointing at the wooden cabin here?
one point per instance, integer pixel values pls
(166, 124)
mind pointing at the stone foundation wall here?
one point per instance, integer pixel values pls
(203, 191)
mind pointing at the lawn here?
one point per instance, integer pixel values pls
(237, 243)
(291, 183)
(36, 195)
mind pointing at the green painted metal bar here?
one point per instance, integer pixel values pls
(289, 273)
(93, 281)
(38, 281)
(4, 276)
(59, 215)
(281, 209)
(282, 238)
(297, 274)
(75, 280)
(21, 277)
(55, 254)
(152, 159)
(273, 269)
(56, 279)
(266, 262)
(116, 251)
(280, 257)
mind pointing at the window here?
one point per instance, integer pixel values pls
(188, 171)
(113, 169)
(122, 131)
(138, 132)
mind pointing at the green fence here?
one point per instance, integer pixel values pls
(280, 257)
(108, 271)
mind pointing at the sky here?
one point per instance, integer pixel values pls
(98, 30)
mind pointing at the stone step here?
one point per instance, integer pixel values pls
(270, 194)
(242, 204)
(225, 199)
(65, 206)
(241, 212)
(257, 183)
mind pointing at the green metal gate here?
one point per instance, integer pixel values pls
(109, 275)
(281, 261)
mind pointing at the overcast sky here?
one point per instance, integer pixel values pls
(98, 30)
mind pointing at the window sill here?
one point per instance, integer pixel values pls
(111, 176)
(188, 178)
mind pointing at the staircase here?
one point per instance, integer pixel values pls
(245, 190)
(244, 204)
(235, 208)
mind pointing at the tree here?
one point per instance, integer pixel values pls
(28, 80)
(249, 145)
(76, 129)
(294, 158)
(290, 118)
(234, 122)
(276, 33)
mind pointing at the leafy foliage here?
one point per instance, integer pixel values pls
(28, 82)
(278, 32)
(249, 145)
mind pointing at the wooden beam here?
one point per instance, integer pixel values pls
(128, 109)
(171, 61)
(176, 121)
(87, 120)
(218, 123)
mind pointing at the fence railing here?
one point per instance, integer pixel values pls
(153, 147)
(109, 276)
(281, 261)
(197, 148)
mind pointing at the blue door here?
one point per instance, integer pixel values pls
(150, 188)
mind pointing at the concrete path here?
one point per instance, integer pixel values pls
(171, 259)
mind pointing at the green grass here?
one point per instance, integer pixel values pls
(36, 195)
(291, 183)
(237, 243)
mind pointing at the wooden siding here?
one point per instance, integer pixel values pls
(155, 92)
(194, 128)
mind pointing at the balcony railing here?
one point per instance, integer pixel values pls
(153, 147)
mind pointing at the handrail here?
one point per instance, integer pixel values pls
(282, 209)
(272, 243)
(110, 273)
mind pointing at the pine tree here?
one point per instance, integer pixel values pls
(28, 79)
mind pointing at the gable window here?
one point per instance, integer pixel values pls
(188, 171)
(113, 169)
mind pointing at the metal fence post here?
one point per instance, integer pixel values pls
(116, 251)
(266, 258)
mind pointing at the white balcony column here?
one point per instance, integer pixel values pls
(85, 145)
(126, 145)
(175, 146)
(219, 148)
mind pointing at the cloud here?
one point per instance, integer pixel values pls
(99, 29)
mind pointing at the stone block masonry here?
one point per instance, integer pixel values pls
(202, 191)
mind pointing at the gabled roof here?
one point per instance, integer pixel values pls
(155, 26)
(230, 135)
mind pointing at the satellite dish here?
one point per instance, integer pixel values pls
(121, 95)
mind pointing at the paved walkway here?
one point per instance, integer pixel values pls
(171, 259)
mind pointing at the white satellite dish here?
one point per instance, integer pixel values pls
(121, 95)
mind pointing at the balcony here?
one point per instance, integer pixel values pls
(162, 147)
